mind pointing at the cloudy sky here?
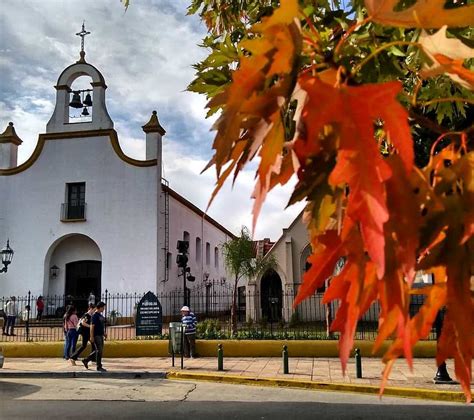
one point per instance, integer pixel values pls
(145, 56)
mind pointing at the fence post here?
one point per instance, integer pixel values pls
(105, 312)
(284, 354)
(220, 357)
(358, 360)
(28, 308)
(182, 346)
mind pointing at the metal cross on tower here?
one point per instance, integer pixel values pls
(82, 34)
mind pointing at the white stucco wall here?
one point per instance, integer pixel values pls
(183, 219)
(121, 214)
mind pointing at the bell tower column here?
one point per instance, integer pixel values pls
(154, 133)
(9, 142)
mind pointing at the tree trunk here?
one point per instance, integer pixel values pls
(233, 310)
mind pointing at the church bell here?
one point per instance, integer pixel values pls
(85, 112)
(76, 100)
(88, 100)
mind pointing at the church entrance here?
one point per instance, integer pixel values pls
(82, 278)
(271, 296)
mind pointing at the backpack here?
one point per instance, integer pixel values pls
(79, 324)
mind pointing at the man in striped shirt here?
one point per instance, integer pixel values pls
(189, 322)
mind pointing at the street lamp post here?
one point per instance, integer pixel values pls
(182, 261)
(7, 256)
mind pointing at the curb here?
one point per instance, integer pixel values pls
(418, 393)
(208, 348)
(84, 374)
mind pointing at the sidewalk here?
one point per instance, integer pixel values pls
(313, 373)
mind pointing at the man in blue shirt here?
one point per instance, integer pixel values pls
(97, 337)
(189, 322)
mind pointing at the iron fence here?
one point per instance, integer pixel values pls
(259, 316)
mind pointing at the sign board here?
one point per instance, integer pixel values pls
(149, 319)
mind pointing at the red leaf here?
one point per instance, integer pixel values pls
(354, 111)
(322, 265)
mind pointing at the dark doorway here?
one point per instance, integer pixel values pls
(272, 296)
(82, 277)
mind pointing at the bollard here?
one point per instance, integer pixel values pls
(358, 360)
(284, 354)
(220, 357)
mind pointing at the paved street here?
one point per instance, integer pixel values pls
(33, 398)
(303, 368)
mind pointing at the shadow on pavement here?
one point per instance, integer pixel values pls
(16, 390)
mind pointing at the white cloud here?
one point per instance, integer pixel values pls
(145, 56)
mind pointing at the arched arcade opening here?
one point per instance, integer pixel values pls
(271, 296)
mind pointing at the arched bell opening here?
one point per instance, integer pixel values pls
(80, 100)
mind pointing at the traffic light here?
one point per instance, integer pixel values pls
(182, 257)
(183, 247)
(181, 260)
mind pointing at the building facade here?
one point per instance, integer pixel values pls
(83, 217)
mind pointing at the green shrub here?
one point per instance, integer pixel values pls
(209, 329)
(295, 319)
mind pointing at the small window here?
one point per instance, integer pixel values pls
(198, 250)
(75, 206)
(169, 257)
(208, 253)
(216, 257)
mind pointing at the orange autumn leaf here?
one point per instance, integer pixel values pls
(251, 119)
(420, 325)
(404, 212)
(422, 14)
(322, 265)
(356, 289)
(354, 111)
(447, 56)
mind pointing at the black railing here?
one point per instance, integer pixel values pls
(259, 316)
(71, 212)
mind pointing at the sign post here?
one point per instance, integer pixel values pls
(149, 316)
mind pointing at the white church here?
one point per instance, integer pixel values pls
(83, 216)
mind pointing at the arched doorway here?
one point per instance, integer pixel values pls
(271, 296)
(82, 278)
(78, 261)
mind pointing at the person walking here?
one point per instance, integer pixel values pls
(189, 322)
(70, 325)
(39, 308)
(84, 329)
(97, 337)
(4, 316)
(91, 298)
(11, 311)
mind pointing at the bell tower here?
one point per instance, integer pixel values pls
(90, 102)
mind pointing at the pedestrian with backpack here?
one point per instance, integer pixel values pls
(98, 335)
(84, 330)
